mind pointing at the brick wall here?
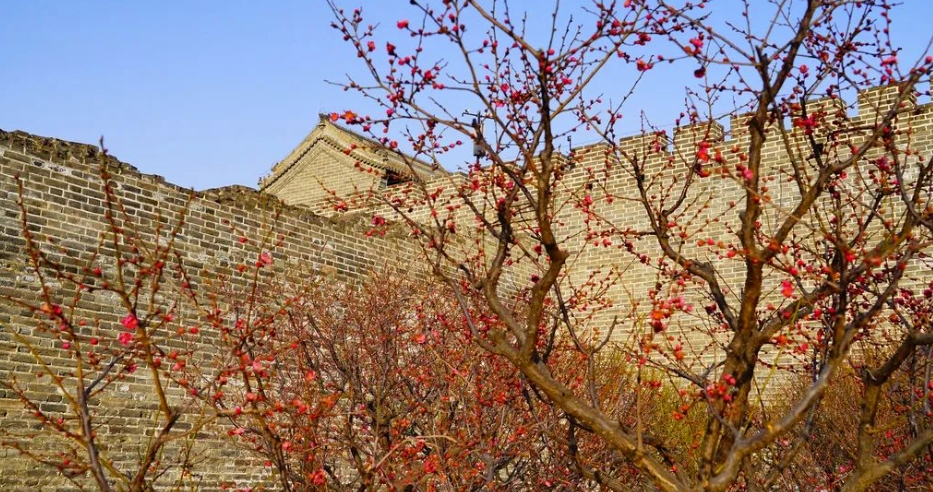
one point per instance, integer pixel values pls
(63, 195)
(713, 205)
(711, 209)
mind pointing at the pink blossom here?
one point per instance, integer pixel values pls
(703, 152)
(130, 322)
(787, 288)
(125, 338)
(265, 258)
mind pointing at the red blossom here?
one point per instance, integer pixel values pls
(703, 152)
(125, 338)
(265, 259)
(787, 288)
(130, 322)
(643, 66)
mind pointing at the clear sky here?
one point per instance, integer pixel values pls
(208, 94)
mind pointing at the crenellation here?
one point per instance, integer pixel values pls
(688, 137)
(874, 103)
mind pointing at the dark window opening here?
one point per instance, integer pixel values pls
(392, 178)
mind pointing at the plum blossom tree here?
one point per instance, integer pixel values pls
(371, 385)
(376, 386)
(797, 249)
(762, 321)
(93, 354)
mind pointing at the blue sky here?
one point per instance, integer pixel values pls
(213, 93)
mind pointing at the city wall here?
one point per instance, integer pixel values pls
(63, 195)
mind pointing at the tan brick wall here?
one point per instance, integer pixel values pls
(64, 198)
(712, 209)
(712, 206)
(63, 193)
